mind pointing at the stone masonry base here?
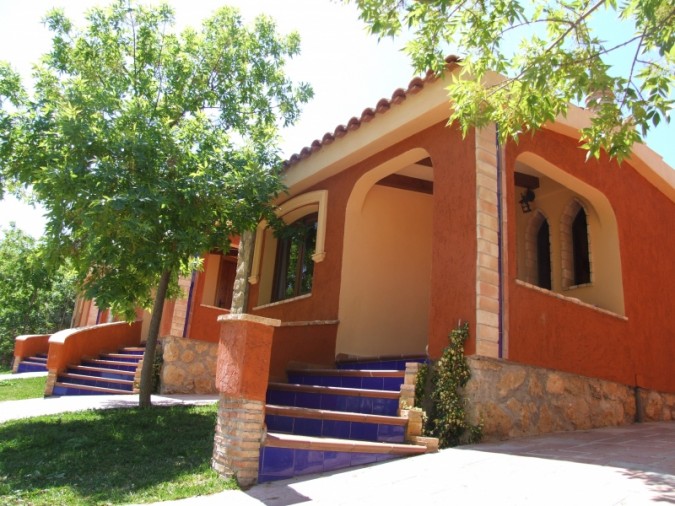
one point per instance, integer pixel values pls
(515, 400)
(189, 366)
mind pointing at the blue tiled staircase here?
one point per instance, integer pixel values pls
(112, 373)
(328, 419)
(36, 363)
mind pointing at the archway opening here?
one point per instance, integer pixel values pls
(386, 271)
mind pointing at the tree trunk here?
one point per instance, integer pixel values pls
(144, 399)
(240, 289)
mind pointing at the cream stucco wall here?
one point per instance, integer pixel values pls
(384, 301)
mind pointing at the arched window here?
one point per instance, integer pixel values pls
(582, 265)
(538, 251)
(544, 256)
(576, 245)
(294, 266)
(283, 263)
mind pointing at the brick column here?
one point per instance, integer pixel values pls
(487, 229)
(241, 378)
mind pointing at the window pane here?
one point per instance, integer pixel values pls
(294, 268)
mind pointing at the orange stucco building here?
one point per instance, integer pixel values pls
(403, 228)
(415, 228)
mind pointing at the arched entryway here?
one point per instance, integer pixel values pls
(386, 270)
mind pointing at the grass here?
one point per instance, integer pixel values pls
(24, 388)
(112, 456)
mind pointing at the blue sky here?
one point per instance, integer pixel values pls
(348, 68)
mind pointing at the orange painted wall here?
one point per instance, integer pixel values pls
(547, 332)
(454, 229)
(313, 345)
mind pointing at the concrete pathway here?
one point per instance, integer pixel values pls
(22, 375)
(633, 465)
(630, 465)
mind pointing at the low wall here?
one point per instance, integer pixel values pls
(28, 345)
(514, 400)
(656, 406)
(189, 366)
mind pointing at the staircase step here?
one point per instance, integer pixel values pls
(102, 372)
(37, 359)
(110, 364)
(335, 424)
(31, 366)
(349, 378)
(135, 350)
(122, 357)
(65, 388)
(384, 362)
(284, 456)
(85, 379)
(372, 402)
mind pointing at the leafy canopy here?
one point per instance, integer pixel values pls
(34, 299)
(551, 54)
(146, 146)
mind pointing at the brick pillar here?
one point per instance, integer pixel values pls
(487, 229)
(241, 378)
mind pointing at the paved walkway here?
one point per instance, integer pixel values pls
(630, 465)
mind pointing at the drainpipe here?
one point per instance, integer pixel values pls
(500, 242)
(189, 303)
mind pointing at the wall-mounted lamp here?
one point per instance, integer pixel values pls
(525, 198)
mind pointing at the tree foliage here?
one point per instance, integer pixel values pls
(551, 54)
(147, 146)
(34, 299)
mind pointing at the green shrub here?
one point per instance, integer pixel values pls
(439, 392)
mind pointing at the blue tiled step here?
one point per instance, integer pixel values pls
(110, 364)
(378, 363)
(81, 379)
(102, 372)
(284, 456)
(122, 357)
(335, 424)
(37, 363)
(67, 388)
(368, 379)
(354, 400)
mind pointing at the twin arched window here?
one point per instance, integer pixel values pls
(574, 248)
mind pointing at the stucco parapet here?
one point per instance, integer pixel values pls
(245, 317)
(571, 300)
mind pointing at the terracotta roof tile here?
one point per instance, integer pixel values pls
(398, 97)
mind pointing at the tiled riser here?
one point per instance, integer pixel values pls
(367, 405)
(23, 367)
(74, 391)
(385, 433)
(101, 374)
(130, 367)
(132, 359)
(283, 463)
(100, 383)
(395, 365)
(393, 384)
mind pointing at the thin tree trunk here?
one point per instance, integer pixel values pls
(144, 399)
(244, 257)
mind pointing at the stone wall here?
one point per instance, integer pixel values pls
(189, 366)
(656, 406)
(514, 400)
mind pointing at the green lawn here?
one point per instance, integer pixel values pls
(112, 456)
(25, 388)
